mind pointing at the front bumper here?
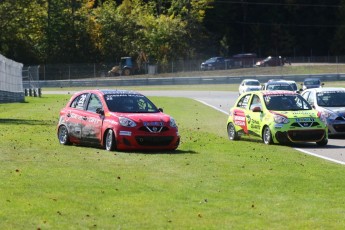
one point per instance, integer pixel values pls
(295, 136)
(127, 140)
(336, 128)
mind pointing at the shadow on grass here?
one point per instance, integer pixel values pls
(304, 145)
(24, 122)
(156, 152)
(146, 152)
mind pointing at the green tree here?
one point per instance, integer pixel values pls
(22, 30)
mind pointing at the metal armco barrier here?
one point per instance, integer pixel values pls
(104, 82)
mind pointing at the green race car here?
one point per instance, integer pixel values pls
(277, 117)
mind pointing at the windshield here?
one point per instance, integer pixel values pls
(279, 87)
(267, 59)
(254, 83)
(312, 82)
(293, 86)
(129, 103)
(286, 102)
(211, 59)
(331, 99)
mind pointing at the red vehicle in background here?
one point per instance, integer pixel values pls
(116, 120)
(271, 61)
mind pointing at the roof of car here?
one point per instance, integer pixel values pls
(326, 89)
(277, 92)
(245, 80)
(117, 91)
(312, 79)
(281, 82)
(109, 91)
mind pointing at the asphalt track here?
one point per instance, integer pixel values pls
(224, 100)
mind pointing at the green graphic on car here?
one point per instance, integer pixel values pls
(280, 117)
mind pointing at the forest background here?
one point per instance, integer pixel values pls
(80, 31)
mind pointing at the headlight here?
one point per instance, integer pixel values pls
(322, 117)
(328, 114)
(172, 122)
(280, 119)
(124, 121)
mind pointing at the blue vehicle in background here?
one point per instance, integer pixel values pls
(310, 83)
(215, 63)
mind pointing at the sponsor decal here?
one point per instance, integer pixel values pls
(125, 133)
(153, 123)
(241, 121)
(305, 119)
(278, 126)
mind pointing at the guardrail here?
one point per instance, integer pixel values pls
(102, 82)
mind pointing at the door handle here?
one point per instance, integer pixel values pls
(84, 118)
(68, 115)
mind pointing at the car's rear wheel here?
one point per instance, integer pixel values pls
(267, 136)
(63, 135)
(232, 133)
(110, 142)
(323, 142)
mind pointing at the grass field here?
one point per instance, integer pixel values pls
(208, 183)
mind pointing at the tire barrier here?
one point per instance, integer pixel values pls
(33, 92)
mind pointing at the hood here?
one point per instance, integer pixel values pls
(340, 111)
(144, 117)
(297, 114)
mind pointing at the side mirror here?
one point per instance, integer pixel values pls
(160, 109)
(100, 111)
(257, 109)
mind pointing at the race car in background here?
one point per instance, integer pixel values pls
(330, 102)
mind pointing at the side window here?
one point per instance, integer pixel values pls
(79, 102)
(306, 95)
(311, 98)
(94, 103)
(255, 102)
(243, 102)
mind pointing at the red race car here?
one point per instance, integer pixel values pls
(116, 120)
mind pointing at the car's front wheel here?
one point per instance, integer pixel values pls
(232, 133)
(110, 143)
(267, 136)
(323, 142)
(63, 135)
(126, 72)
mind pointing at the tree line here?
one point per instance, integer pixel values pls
(75, 31)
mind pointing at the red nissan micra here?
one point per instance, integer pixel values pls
(116, 120)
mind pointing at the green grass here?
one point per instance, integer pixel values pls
(208, 183)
